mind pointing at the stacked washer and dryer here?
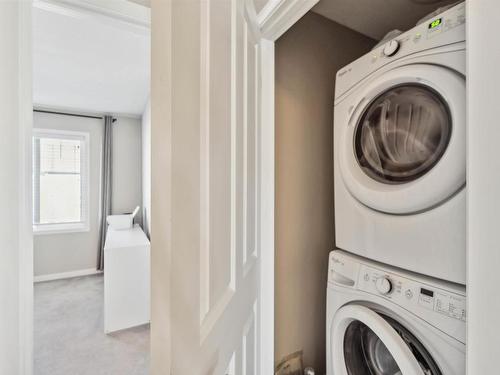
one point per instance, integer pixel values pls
(396, 290)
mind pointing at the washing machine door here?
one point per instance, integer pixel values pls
(365, 342)
(403, 145)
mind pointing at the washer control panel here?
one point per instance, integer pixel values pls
(410, 293)
(439, 303)
(384, 285)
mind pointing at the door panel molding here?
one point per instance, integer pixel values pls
(213, 304)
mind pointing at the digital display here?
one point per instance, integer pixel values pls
(435, 23)
(427, 292)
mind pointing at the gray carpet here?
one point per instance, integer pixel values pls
(69, 335)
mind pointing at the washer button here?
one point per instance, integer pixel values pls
(409, 294)
(383, 285)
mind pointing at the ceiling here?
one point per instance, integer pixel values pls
(90, 62)
(375, 18)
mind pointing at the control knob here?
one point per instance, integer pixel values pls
(391, 48)
(383, 285)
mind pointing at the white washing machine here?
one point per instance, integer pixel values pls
(399, 136)
(384, 321)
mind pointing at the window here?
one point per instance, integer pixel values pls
(60, 181)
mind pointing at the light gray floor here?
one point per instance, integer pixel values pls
(69, 336)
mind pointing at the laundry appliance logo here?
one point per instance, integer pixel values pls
(337, 261)
(342, 73)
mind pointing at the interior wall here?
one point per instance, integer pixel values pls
(307, 59)
(127, 166)
(66, 252)
(146, 169)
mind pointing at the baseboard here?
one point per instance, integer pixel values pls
(66, 275)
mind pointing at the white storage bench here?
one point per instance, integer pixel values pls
(126, 279)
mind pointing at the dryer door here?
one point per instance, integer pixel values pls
(403, 149)
(367, 343)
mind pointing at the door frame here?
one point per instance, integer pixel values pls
(124, 12)
(25, 223)
(275, 19)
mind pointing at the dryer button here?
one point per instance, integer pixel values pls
(391, 48)
(383, 285)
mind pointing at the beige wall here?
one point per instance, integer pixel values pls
(307, 59)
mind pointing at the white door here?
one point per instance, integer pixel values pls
(215, 232)
(364, 341)
(403, 147)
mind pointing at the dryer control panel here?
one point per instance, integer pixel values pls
(438, 302)
(446, 30)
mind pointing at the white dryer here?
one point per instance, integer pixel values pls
(384, 321)
(399, 139)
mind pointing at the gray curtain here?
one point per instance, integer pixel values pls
(106, 188)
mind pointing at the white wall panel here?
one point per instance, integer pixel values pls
(483, 185)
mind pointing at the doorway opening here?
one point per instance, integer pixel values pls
(91, 187)
(307, 58)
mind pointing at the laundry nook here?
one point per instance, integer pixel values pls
(249, 187)
(391, 219)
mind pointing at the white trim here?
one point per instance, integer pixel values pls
(25, 125)
(483, 184)
(278, 16)
(61, 134)
(63, 228)
(274, 20)
(267, 251)
(66, 275)
(205, 170)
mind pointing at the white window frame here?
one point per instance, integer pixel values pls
(84, 224)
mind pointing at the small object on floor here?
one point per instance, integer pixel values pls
(290, 365)
(309, 371)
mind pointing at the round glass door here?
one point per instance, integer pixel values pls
(401, 149)
(366, 354)
(402, 134)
